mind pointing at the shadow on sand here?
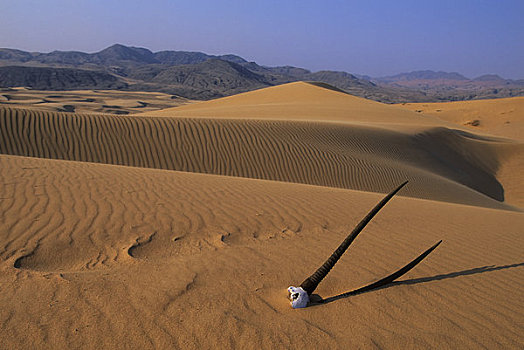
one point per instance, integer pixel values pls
(317, 300)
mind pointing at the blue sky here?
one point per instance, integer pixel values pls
(378, 38)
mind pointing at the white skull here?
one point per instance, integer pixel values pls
(298, 297)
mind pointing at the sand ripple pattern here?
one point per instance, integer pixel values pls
(101, 256)
(460, 167)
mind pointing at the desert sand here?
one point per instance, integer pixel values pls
(501, 117)
(183, 228)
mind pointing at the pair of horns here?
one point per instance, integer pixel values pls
(311, 283)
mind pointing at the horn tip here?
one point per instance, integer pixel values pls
(435, 246)
(397, 189)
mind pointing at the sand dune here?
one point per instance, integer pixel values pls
(183, 230)
(299, 101)
(460, 167)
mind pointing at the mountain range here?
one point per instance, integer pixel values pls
(197, 75)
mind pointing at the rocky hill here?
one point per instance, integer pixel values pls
(453, 86)
(197, 75)
(45, 78)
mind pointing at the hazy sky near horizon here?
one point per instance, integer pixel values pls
(377, 38)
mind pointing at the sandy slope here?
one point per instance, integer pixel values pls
(131, 254)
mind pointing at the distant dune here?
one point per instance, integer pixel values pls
(298, 101)
(88, 101)
(182, 228)
(503, 117)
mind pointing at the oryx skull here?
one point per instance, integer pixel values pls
(299, 296)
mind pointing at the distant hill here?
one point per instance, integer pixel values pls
(197, 75)
(209, 79)
(114, 55)
(423, 75)
(491, 78)
(213, 74)
(446, 86)
(430, 79)
(44, 78)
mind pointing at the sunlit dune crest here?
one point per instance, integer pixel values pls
(297, 101)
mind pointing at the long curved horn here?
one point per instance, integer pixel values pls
(386, 280)
(311, 283)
